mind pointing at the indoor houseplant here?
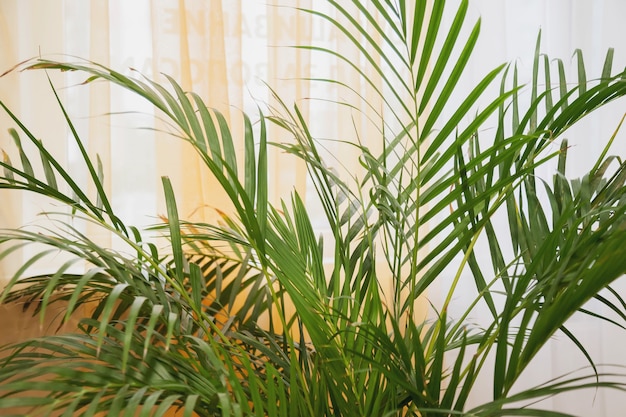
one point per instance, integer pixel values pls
(179, 328)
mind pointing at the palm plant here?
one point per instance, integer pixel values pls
(204, 328)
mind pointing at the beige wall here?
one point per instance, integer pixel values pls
(18, 325)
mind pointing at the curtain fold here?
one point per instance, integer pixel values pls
(27, 28)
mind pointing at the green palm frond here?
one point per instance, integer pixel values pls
(252, 316)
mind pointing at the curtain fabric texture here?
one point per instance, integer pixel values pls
(225, 50)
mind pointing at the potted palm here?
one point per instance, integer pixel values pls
(205, 327)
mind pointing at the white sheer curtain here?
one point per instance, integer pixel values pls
(223, 49)
(508, 33)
